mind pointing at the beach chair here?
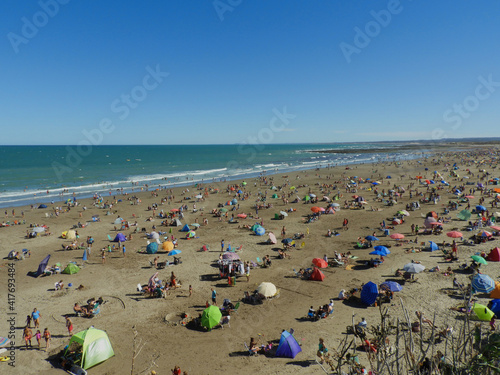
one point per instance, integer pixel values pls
(297, 274)
(236, 307)
(239, 249)
(250, 352)
(259, 262)
(109, 238)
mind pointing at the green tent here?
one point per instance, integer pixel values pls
(306, 198)
(210, 317)
(96, 347)
(464, 215)
(71, 268)
(275, 196)
(482, 312)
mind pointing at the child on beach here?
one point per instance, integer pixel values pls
(190, 290)
(28, 321)
(38, 336)
(69, 326)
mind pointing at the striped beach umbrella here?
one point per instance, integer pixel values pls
(482, 283)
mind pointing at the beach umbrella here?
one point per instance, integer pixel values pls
(383, 249)
(286, 241)
(267, 289)
(320, 263)
(84, 257)
(454, 234)
(244, 183)
(464, 215)
(482, 312)
(428, 221)
(272, 238)
(254, 227)
(260, 231)
(495, 227)
(196, 225)
(376, 183)
(433, 246)
(485, 233)
(335, 205)
(371, 238)
(369, 293)
(482, 283)
(210, 317)
(242, 216)
(404, 212)
(397, 236)
(223, 209)
(479, 259)
(154, 235)
(469, 196)
(396, 222)
(315, 209)
(174, 210)
(174, 252)
(39, 229)
(199, 196)
(414, 267)
(392, 286)
(168, 245)
(230, 256)
(379, 252)
(283, 213)
(191, 234)
(480, 208)
(435, 224)
(312, 195)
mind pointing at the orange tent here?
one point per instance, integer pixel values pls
(495, 293)
(317, 275)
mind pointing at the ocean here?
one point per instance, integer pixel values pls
(41, 174)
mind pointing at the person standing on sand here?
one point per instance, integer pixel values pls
(69, 326)
(36, 317)
(247, 271)
(27, 335)
(103, 256)
(123, 250)
(283, 232)
(214, 296)
(190, 290)
(222, 245)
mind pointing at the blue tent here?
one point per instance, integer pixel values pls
(185, 228)
(288, 346)
(234, 202)
(384, 250)
(120, 237)
(433, 246)
(369, 293)
(371, 238)
(494, 306)
(42, 266)
(380, 252)
(42, 206)
(152, 248)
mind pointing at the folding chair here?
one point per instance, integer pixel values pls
(250, 352)
(236, 307)
(109, 238)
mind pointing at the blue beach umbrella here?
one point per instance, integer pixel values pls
(379, 252)
(480, 208)
(174, 252)
(369, 293)
(392, 286)
(433, 246)
(286, 241)
(260, 231)
(371, 238)
(482, 283)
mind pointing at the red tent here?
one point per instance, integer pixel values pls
(317, 275)
(494, 255)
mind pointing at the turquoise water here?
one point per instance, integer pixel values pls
(27, 172)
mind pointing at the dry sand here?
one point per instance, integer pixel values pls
(222, 350)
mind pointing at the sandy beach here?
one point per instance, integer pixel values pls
(164, 342)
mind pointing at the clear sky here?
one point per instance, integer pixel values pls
(225, 71)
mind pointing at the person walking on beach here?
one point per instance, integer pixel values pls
(322, 350)
(47, 336)
(190, 290)
(38, 336)
(283, 232)
(345, 224)
(36, 317)
(214, 296)
(123, 251)
(103, 256)
(247, 271)
(27, 335)
(222, 245)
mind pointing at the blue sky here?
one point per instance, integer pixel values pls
(343, 70)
